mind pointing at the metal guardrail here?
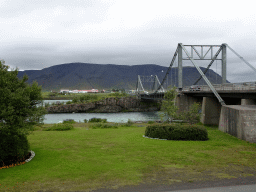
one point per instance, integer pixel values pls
(226, 87)
(246, 86)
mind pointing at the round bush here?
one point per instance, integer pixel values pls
(177, 132)
(14, 147)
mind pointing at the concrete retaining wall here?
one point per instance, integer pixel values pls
(239, 121)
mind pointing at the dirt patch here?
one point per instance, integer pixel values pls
(181, 179)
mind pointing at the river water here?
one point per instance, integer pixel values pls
(111, 117)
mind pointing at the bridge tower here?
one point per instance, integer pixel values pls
(153, 80)
(201, 56)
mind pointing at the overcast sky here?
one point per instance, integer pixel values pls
(41, 33)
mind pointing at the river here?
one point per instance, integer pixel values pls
(111, 117)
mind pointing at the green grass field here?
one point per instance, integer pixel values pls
(84, 159)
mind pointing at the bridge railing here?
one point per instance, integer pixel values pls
(225, 87)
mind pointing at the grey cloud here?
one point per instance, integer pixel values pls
(93, 37)
(14, 8)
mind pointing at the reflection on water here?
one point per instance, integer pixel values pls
(111, 117)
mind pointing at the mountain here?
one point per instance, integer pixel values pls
(108, 76)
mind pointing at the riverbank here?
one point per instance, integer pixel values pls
(107, 105)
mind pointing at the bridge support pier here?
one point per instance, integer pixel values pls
(248, 102)
(211, 108)
(184, 102)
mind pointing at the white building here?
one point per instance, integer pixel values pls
(84, 91)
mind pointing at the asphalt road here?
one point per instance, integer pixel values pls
(238, 188)
(242, 184)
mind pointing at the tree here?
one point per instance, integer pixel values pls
(170, 110)
(168, 104)
(20, 110)
(191, 116)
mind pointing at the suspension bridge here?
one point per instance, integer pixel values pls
(212, 95)
(157, 91)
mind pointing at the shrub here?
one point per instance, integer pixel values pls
(60, 127)
(157, 131)
(70, 121)
(52, 94)
(129, 123)
(88, 97)
(103, 125)
(192, 116)
(104, 120)
(9, 154)
(75, 100)
(151, 122)
(69, 102)
(177, 132)
(117, 94)
(47, 105)
(85, 120)
(97, 120)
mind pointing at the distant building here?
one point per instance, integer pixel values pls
(64, 91)
(84, 91)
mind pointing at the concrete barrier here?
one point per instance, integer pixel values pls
(239, 121)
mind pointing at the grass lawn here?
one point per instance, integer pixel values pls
(86, 159)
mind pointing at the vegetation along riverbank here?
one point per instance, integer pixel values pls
(111, 103)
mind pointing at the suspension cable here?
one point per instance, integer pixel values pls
(241, 57)
(167, 73)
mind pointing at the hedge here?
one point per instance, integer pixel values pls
(177, 132)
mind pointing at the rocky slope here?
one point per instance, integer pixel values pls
(108, 105)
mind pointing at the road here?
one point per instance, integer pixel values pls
(237, 188)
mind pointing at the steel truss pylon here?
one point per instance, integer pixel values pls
(203, 75)
(200, 55)
(149, 79)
